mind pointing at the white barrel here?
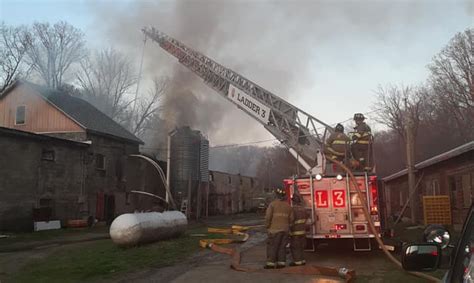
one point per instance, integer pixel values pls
(132, 229)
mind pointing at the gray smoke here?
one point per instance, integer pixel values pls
(270, 42)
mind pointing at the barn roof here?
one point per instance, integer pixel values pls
(84, 113)
(29, 135)
(434, 160)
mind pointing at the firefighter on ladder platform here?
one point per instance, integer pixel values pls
(278, 217)
(298, 232)
(361, 143)
(336, 144)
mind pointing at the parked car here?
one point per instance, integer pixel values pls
(427, 256)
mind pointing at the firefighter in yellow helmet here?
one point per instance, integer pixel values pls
(298, 231)
(337, 144)
(278, 217)
(361, 142)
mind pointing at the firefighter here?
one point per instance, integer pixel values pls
(336, 144)
(361, 142)
(298, 232)
(278, 217)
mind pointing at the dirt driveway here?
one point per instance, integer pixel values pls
(208, 266)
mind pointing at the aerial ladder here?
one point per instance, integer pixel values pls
(304, 136)
(301, 133)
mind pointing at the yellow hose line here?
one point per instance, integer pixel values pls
(235, 230)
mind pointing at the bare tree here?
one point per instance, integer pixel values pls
(452, 79)
(148, 107)
(106, 78)
(398, 105)
(401, 110)
(53, 50)
(13, 46)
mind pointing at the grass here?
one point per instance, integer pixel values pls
(47, 235)
(102, 259)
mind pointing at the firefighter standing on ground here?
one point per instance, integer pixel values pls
(361, 144)
(336, 144)
(298, 232)
(278, 217)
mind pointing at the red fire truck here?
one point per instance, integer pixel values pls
(336, 210)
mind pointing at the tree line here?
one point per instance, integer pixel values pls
(57, 56)
(438, 111)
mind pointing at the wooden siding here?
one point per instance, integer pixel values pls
(455, 178)
(41, 116)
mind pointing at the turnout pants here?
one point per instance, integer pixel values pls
(360, 152)
(276, 253)
(297, 244)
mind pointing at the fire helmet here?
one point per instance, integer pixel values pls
(281, 193)
(359, 117)
(339, 128)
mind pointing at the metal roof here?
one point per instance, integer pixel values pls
(81, 111)
(435, 159)
(29, 135)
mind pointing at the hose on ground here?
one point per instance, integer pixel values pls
(371, 224)
(213, 244)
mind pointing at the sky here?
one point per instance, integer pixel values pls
(325, 57)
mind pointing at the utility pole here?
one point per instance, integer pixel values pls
(410, 148)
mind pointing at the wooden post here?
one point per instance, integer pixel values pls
(410, 147)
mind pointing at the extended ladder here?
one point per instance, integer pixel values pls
(302, 133)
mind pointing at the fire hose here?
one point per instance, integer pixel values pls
(347, 274)
(372, 227)
(213, 244)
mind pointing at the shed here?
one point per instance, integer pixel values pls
(450, 174)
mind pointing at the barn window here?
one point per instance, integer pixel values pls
(435, 187)
(229, 179)
(20, 116)
(47, 155)
(211, 176)
(100, 162)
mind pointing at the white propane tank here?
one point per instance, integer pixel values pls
(132, 229)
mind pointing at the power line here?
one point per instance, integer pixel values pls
(269, 140)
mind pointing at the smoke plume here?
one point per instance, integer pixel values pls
(272, 43)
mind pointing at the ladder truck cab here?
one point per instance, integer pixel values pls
(335, 209)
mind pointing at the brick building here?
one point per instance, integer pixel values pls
(59, 151)
(450, 173)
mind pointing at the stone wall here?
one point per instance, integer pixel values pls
(43, 171)
(35, 172)
(111, 179)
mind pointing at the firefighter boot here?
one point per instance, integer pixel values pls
(270, 265)
(298, 263)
